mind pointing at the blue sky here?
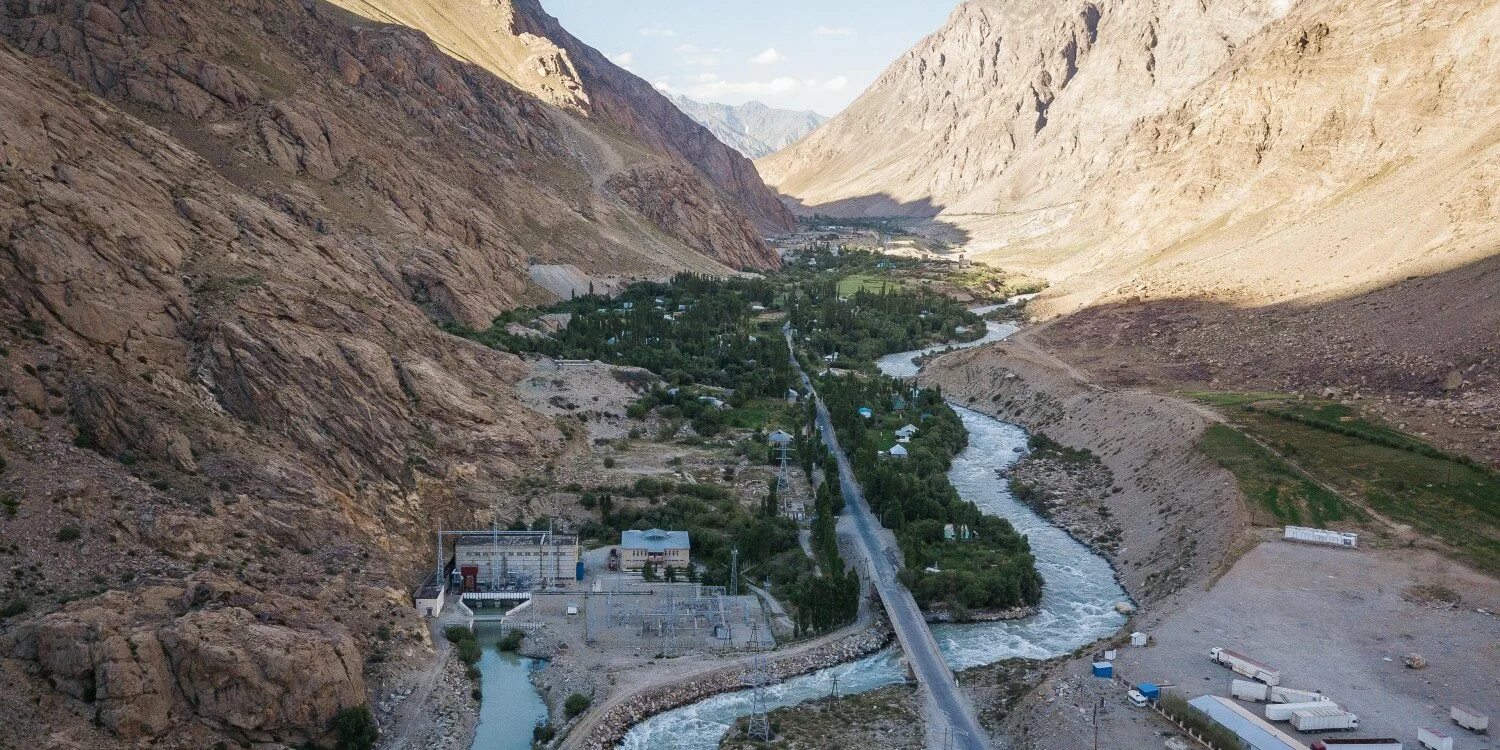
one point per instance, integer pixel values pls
(796, 54)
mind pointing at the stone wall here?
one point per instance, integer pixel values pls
(612, 728)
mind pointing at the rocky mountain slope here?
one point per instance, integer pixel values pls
(612, 112)
(1178, 165)
(229, 419)
(752, 128)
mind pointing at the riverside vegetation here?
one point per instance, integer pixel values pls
(1396, 475)
(717, 345)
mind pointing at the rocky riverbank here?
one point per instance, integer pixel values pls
(889, 718)
(448, 718)
(612, 728)
(941, 613)
(1070, 489)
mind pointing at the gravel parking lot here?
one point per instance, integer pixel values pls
(1342, 621)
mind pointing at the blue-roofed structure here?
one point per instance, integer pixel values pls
(655, 546)
(1257, 733)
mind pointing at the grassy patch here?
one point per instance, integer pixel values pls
(865, 282)
(1397, 475)
(1280, 493)
(1236, 398)
(1451, 500)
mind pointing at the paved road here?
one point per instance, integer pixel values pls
(951, 720)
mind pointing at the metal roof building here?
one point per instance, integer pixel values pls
(1257, 733)
(655, 546)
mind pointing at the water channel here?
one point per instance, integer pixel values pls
(1077, 603)
(511, 705)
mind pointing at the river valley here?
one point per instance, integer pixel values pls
(1077, 606)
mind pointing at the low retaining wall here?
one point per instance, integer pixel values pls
(612, 728)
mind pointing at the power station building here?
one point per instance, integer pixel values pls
(655, 546)
(515, 560)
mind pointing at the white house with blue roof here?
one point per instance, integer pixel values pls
(656, 546)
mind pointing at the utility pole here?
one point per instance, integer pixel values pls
(1097, 706)
(758, 725)
(734, 572)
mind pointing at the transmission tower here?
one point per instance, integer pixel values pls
(757, 678)
(781, 475)
(734, 572)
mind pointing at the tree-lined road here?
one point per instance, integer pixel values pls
(951, 718)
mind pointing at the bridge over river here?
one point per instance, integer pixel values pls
(951, 721)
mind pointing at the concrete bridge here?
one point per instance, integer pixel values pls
(951, 720)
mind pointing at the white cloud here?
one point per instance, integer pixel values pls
(833, 31)
(836, 83)
(685, 49)
(656, 31)
(767, 57)
(622, 59)
(701, 61)
(709, 90)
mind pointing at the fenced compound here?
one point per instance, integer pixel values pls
(672, 617)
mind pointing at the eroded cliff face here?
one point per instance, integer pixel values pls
(228, 232)
(1009, 101)
(1276, 172)
(519, 41)
(200, 384)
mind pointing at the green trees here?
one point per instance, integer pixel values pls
(576, 704)
(648, 572)
(354, 728)
(990, 567)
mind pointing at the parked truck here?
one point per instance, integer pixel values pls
(1324, 719)
(1247, 690)
(1433, 739)
(1470, 719)
(1284, 711)
(1281, 694)
(1244, 665)
(1357, 743)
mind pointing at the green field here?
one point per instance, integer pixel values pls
(864, 282)
(1394, 474)
(1281, 494)
(1236, 398)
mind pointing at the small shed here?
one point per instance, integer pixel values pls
(864, 411)
(791, 395)
(898, 451)
(1138, 638)
(907, 432)
(779, 438)
(1104, 670)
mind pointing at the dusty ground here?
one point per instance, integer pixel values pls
(1342, 622)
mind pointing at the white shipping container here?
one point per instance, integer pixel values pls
(1246, 690)
(1433, 739)
(1245, 665)
(1357, 743)
(1323, 719)
(1470, 719)
(1321, 536)
(1284, 711)
(1281, 694)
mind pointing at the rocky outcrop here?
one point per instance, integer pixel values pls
(597, 103)
(228, 235)
(162, 656)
